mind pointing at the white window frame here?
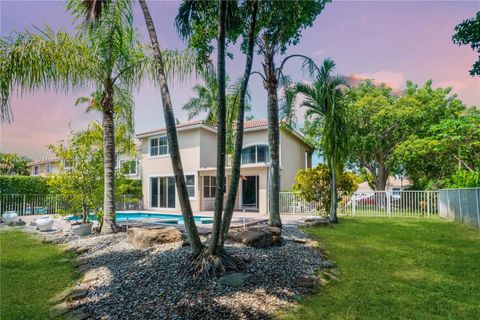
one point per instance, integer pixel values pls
(48, 168)
(194, 184)
(150, 192)
(35, 170)
(150, 148)
(214, 186)
(127, 160)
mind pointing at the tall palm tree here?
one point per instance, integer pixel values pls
(324, 101)
(206, 101)
(103, 55)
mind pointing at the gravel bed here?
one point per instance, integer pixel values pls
(149, 283)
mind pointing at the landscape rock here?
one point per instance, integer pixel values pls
(258, 237)
(58, 310)
(90, 275)
(19, 223)
(77, 314)
(145, 238)
(309, 282)
(234, 280)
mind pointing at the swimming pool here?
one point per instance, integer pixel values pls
(170, 218)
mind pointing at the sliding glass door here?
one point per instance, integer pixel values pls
(162, 192)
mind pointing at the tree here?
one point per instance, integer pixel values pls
(446, 155)
(280, 24)
(379, 121)
(107, 54)
(468, 33)
(324, 102)
(12, 164)
(315, 184)
(81, 186)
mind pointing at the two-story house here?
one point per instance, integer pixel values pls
(44, 167)
(198, 148)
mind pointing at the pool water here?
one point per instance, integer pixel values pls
(159, 217)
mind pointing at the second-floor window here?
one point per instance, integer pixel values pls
(158, 146)
(128, 167)
(255, 154)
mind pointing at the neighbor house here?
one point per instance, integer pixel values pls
(44, 167)
(198, 150)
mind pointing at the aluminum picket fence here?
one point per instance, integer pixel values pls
(419, 203)
(294, 203)
(28, 204)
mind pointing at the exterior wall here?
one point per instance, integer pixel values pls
(292, 158)
(208, 148)
(54, 167)
(161, 166)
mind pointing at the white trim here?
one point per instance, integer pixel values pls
(257, 191)
(256, 153)
(184, 128)
(150, 192)
(127, 160)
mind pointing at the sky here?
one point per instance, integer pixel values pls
(389, 41)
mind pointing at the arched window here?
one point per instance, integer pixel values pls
(255, 154)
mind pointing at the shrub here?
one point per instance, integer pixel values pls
(23, 185)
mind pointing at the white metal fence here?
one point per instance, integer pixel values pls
(372, 203)
(392, 204)
(461, 205)
(294, 203)
(28, 204)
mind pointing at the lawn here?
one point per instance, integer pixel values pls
(397, 269)
(31, 272)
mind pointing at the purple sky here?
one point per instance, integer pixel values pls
(386, 40)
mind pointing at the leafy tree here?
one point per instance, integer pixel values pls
(380, 121)
(324, 102)
(468, 33)
(280, 24)
(12, 164)
(448, 152)
(106, 54)
(315, 184)
(81, 186)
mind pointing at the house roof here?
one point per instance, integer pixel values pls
(248, 125)
(42, 161)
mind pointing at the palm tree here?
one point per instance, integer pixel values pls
(206, 101)
(324, 101)
(107, 54)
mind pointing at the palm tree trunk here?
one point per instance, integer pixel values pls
(109, 159)
(271, 85)
(221, 129)
(333, 203)
(237, 157)
(170, 124)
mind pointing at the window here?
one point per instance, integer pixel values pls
(190, 180)
(48, 168)
(128, 167)
(158, 146)
(35, 170)
(209, 186)
(162, 192)
(255, 154)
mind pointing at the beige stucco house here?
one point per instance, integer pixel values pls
(198, 144)
(44, 167)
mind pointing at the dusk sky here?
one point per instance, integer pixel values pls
(389, 41)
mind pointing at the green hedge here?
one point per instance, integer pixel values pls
(23, 185)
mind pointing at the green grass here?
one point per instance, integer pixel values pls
(397, 269)
(31, 273)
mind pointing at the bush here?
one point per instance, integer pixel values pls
(23, 185)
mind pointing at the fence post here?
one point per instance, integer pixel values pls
(353, 206)
(428, 204)
(477, 191)
(24, 208)
(460, 206)
(389, 204)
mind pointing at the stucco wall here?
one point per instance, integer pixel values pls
(292, 158)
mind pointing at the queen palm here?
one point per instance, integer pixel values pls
(324, 102)
(103, 55)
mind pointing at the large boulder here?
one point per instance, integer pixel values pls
(145, 238)
(258, 237)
